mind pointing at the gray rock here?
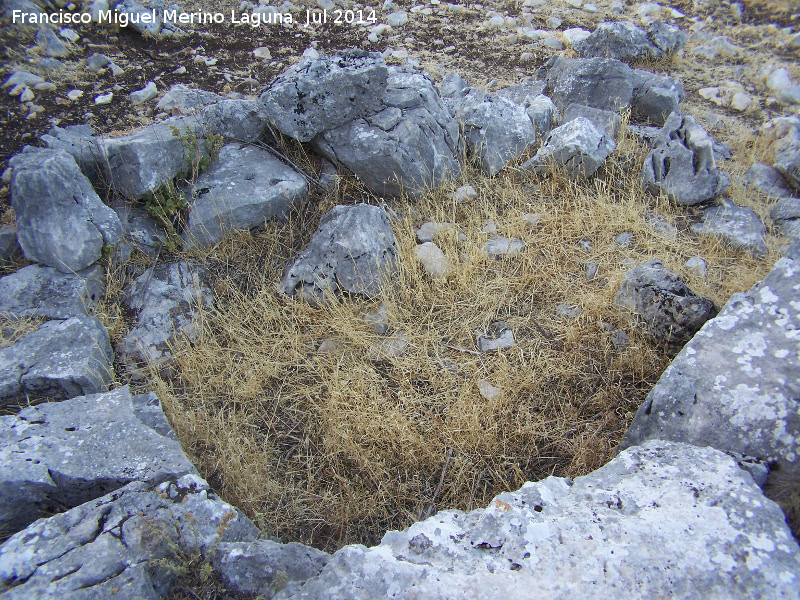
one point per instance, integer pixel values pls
(46, 292)
(786, 213)
(452, 85)
(787, 157)
(140, 231)
(80, 142)
(671, 312)
(61, 359)
(61, 454)
(767, 180)
(656, 97)
(238, 120)
(96, 62)
(697, 266)
(618, 532)
(735, 385)
(498, 336)
(666, 37)
(183, 100)
(263, 567)
(352, 251)
(50, 44)
(148, 92)
(24, 78)
(61, 221)
(317, 95)
(125, 545)
(496, 131)
(543, 114)
(597, 82)
(169, 300)
(498, 247)
(430, 230)
(661, 226)
(621, 40)
(9, 247)
(418, 152)
(31, 12)
(245, 187)
(379, 320)
(577, 147)
(433, 260)
(604, 120)
(389, 348)
(625, 239)
(737, 226)
(682, 164)
(522, 93)
(134, 11)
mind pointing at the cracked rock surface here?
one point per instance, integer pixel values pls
(577, 146)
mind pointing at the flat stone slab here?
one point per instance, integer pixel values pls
(62, 454)
(660, 517)
(60, 360)
(39, 291)
(112, 547)
(735, 386)
(738, 226)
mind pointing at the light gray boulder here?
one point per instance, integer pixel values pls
(577, 147)
(786, 214)
(735, 385)
(543, 114)
(522, 93)
(126, 545)
(452, 85)
(262, 567)
(61, 454)
(80, 142)
(625, 41)
(618, 532)
(238, 120)
(655, 97)
(496, 131)
(682, 164)
(50, 44)
(147, 93)
(245, 187)
(61, 359)
(767, 180)
(737, 226)
(411, 145)
(501, 246)
(183, 100)
(61, 221)
(320, 94)
(352, 251)
(169, 300)
(39, 291)
(787, 156)
(671, 312)
(597, 82)
(604, 120)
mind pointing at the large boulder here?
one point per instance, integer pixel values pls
(62, 454)
(767, 180)
(660, 517)
(183, 100)
(735, 385)
(655, 97)
(352, 251)
(787, 156)
(682, 164)
(245, 187)
(126, 545)
(412, 144)
(625, 41)
(237, 120)
(737, 226)
(61, 359)
(61, 221)
(80, 142)
(603, 120)
(577, 146)
(671, 312)
(168, 300)
(320, 94)
(597, 82)
(47, 292)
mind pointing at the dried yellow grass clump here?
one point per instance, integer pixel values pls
(334, 447)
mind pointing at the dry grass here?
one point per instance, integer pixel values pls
(334, 448)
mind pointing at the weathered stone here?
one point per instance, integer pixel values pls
(737, 226)
(597, 82)
(464, 194)
(667, 38)
(661, 226)
(379, 320)
(522, 93)
(604, 120)
(96, 62)
(543, 114)
(452, 85)
(263, 567)
(183, 100)
(696, 266)
(353, 249)
(671, 312)
(140, 231)
(237, 120)
(46, 292)
(169, 300)
(735, 386)
(389, 348)
(245, 187)
(578, 147)
(497, 336)
(787, 156)
(625, 239)
(786, 213)
(621, 40)
(61, 454)
(61, 221)
(9, 247)
(428, 231)
(317, 95)
(618, 532)
(141, 96)
(656, 97)
(433, 260)
(682, 164)
(498, 247)
(61, 359)
(767, 180)
(125, 545)
(80, 142)
(48, 41)
(412, 151)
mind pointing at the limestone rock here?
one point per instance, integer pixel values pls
(543, 114)
(735, 385)
(80, 142)
(603, 120)
(498, 247)
(787, 156)
(786, 213)
(245, 187)
(767, 180)
(61, 454)
(522, 93)
(352, 249)
(597, 82)
(61, 359)
(625, 41)
(183, 100)
(656, 97)
(50, 44)
(577, 146)
(169, 300)
(9, 247)
(618, 532)
(427, 231)
(112, 547)
(140, 231)
(61, 221)
(433, 259)
(46, 292)
(737, 226)
(141, 96)
(497, 336)
(317, 95)
(452, 85)
(671, 312)
(237, 120)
